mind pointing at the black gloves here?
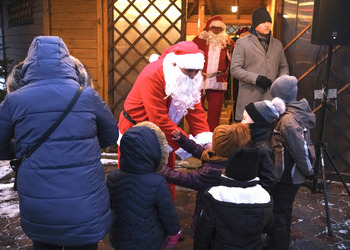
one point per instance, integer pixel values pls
(263, 82)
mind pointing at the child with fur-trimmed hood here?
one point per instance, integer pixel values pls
(144, 212)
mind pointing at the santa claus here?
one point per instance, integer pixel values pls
(167, 90)
(217, 46)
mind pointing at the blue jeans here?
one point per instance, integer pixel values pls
(45, 246)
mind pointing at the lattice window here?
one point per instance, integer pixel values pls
(20, 12)
(137, 29)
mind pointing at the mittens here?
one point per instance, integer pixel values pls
(263, 82)
(172, 240)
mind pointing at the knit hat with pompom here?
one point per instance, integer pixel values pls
(266, 111)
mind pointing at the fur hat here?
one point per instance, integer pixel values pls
(216, 21)
(164, 148)
(243, 164)
(227, 138)
(260, 15)
(185, 54)
(285, 87)
(14, 80)
(85, 78)
(266, 111)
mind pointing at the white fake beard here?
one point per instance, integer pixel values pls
(221, 39)
(184, 91)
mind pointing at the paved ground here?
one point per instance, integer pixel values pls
(309, 229)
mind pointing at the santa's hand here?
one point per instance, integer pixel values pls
(207, 146)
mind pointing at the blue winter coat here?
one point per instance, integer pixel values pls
(61, 187)
(144, 213)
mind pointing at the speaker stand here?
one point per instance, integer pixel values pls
(321, 149)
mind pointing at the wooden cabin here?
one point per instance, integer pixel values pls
(114, 39)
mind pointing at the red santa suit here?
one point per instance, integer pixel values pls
(217, 60)
(149, 99)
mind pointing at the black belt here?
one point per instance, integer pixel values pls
(128, 117)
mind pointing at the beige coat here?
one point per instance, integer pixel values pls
(249, 60)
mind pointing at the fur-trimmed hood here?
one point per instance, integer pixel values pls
(37, 61)
(143, 149)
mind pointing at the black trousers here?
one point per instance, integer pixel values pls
(283, 197)
(45, 246)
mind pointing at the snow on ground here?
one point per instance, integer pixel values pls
(8, 197)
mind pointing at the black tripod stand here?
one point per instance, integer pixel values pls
(321, 148)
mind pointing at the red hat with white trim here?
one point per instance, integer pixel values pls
(216, 21)
(185, 54)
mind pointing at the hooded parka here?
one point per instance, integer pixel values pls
(144, 212)
(61, 187)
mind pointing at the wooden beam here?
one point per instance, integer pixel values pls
(100, 55)
(297, 36)
(46, 18)
(318, 63)
(201, 15)
(189, 13)
(210, 7)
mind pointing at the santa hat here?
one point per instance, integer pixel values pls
(243, 164)
(216, 21)
(227, 138)
(260, 15)
(285, 87)
(266, 111)
(185, 54)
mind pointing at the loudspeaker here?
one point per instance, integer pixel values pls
(331, 22)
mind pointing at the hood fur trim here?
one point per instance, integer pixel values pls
(85, 79)
(14, 80)
(164, 148)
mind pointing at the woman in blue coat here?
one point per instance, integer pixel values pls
(61, 186)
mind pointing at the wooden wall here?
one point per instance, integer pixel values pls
(19, 38)
(79, 24)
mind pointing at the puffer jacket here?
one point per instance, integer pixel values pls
(62, 193)
(294, 158)
(144, 212)
(233, 217)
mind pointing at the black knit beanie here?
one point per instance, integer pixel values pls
(243, 164)
(259, 16)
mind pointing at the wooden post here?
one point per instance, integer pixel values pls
(46, 18)
(201, 15)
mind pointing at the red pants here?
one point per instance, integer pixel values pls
(215, 99)
(171, 164)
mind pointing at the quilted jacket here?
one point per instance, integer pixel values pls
(61, 186)
(144, 212)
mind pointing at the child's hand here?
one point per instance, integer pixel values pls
(172, 240)
(176, 134)
(207, 146)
